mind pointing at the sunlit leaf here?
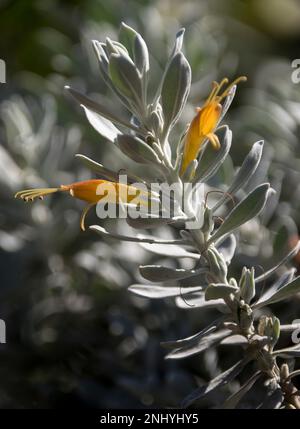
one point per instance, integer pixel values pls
(151, 291)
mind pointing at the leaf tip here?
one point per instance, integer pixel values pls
(271, 191)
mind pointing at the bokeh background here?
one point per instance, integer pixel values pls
(75, 336)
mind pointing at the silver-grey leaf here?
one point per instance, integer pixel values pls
(170, 251)
(101, 109)
(147, 222)
(244, 174)
(176, 49)
(248, 208)
(282, 281)
(141, 55)
(136, 47)
(211, 160)
(98, 168)
(127, 36)
(138, 239)
(102, 53)
(104, 172)
(236, 397)
(153, 291)
(197, 300)
(102, 125)
(216, 383)
(234, 340)
(194, 338)
(227, 102)
(175, 89)
(126, 77)
(198, 346)
(159, 273)
(285, 292)
(137, 149)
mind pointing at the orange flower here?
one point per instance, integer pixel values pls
(203, 125)
(114, 192)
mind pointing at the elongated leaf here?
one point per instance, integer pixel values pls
(126, 77)
(197, 300)
(196, 347)
(286, 278)
(277, 179)
(288, 353)
(227, 102)
(147, 222)
(194, 339)
(216, 383)
(248, 208)
(106, 173)
(189, 341)
(286, 291)
(136, 46)
(175, 89)
(158, 273)
(246, 171)
(170, 251)
(289, 256)
(211, 160)
(141, 54)
(102, 55)
(157, 240)
(98, 168)
(234, 399)
(234, 340)
(136, 149)
(127, 36)
(176, 49)
(151, 291)
(103, 51)
(102, 126)
(139, 239)
(101, 109)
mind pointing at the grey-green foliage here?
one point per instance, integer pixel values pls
(146, 137)
(270, 111)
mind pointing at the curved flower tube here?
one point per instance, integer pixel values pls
(203, 125)
(91, 192)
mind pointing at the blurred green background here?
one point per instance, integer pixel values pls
(74, 334)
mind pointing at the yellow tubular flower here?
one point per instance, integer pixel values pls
(87, 191)
(203, 125)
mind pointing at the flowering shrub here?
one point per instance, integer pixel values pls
(186, 165)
